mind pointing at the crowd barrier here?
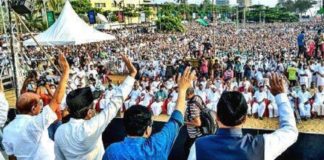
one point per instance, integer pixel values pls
(307, 147)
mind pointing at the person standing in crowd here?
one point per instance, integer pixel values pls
(81, 137)
(318, 44)
(292, 74)
(229, 141)
(26, 137)
(192, 119)
(301, 44)
(138, 122)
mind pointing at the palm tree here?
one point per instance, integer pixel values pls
(34, 22)
(55, 5)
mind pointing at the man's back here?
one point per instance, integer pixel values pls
(77, 144)
(31, 133)
(233, 143)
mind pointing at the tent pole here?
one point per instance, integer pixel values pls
(41, 47)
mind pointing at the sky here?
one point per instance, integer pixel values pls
(270, 3)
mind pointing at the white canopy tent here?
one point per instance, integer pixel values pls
(69, 29)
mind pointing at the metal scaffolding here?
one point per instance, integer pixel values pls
(11, 32)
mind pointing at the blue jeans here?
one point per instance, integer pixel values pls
(52, 129)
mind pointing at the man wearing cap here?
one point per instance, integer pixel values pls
(26, 137)
(229, 143)
(80, 138)
(259, 101)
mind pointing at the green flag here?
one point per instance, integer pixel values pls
(50, 18)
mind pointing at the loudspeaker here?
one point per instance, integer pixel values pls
(23, 6)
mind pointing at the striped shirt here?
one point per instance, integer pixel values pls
(192, 112)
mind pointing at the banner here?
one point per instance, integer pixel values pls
(92, 17)
(50, 18)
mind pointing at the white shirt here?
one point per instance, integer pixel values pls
(26, 136)
(319, 98)
(135, 94)
(304, 96)
(260, 96)
(213, 97)
(202, 94)
(81, 139)
(247, 96)
(4, 108)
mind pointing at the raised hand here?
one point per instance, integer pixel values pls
(131, 69)
(277, 83)
(64, 65)
(185, 80)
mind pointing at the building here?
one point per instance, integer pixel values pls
(103, 4)
(222, 2)
(244, 3)
(116, 6)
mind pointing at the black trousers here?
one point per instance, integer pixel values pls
(188, 144)
(301, 50)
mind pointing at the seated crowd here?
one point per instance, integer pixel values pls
(80, 135)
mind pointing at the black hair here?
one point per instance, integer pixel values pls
(232, 109)
(136, 120)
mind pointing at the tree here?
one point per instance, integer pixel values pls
(170, 24)
(299, 6)
(83, 6)
(34, 22)
(130, 12)
(55, 5)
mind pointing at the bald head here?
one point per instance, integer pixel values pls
(26, 102)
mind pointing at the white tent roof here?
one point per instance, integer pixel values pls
(69, 29)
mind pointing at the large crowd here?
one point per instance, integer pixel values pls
(225, 60)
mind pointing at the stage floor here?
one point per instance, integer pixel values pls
(310, 126)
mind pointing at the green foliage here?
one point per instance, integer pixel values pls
(299, 6)
(55, 5)
(83, 6)
(275, 14)
(130, 11)
(320, 11)
(147, 10)
(170, 24)
(34, 22)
